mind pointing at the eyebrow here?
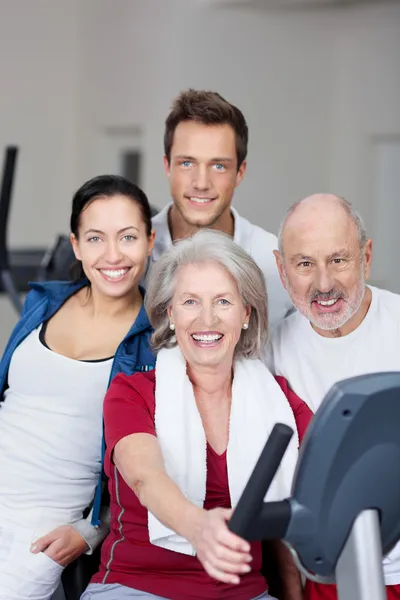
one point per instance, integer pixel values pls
(213, 160)
(298, 257)
(342, 252)
(118, 232)
(221, 295)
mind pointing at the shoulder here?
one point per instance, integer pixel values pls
(285, 329)
(386, 301)
(160, 220)
(56, 292)
(163, 238)
(139, 383)
(302, 412)
(138, 388)
(129, 407)
(258, 242)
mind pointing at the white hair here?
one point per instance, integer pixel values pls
(208, 246)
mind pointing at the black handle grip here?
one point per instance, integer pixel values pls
(250, 506)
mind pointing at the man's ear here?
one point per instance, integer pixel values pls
(167, 168)
(367, 258)
(240, 173)
(281, 268)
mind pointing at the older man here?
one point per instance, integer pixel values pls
(342, 327)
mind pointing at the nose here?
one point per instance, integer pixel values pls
(201, 178)
(208, 315)
(112, 253)
(324, 281)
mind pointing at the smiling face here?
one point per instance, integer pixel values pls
(113, 245)
(203, 172)
(323, 267)
(208, 313)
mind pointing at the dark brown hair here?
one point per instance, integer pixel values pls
(208, 108)
(108, 186)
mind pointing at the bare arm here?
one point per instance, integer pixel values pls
(223, 555)
(139, 460)
(291, 587)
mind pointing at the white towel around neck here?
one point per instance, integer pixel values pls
(257, 404)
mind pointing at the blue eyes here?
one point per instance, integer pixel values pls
(188, 163)
(221, 301)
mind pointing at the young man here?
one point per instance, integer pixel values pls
(205, 145)
(342, 327)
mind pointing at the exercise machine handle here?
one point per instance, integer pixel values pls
(251, 514)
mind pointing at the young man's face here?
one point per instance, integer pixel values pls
(203, 172)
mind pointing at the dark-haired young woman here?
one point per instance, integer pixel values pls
(70, 342)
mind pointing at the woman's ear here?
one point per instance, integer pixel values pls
(248, 311)
(75, 246)
(169, 312)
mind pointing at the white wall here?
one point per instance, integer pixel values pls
(316, 87)
(39, 98)
(272, 66)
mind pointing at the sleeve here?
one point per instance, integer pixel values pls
(93, 536)
(128, 408)
(302, 412)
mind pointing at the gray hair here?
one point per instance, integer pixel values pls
(217, 247)
(347, 207)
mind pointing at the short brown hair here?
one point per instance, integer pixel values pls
(208, 108)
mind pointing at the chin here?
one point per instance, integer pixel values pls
(114, 292)
(212, 360)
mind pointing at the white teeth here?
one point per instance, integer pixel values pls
(327, 302)
(207, 338)
(200, 200)
(114, 274)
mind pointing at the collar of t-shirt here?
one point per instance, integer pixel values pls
(163, 241)
(335, 341)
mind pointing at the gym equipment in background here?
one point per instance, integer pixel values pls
(344, 512)
(18, 267)
(6, 277)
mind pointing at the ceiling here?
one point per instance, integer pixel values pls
(294, 4)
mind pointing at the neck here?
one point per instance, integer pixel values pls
(179, 228)
(211, 381)
(104, 306)
(354, 322)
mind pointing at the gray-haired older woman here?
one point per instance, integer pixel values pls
(182, 440)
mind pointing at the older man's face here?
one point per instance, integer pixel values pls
(323, 267)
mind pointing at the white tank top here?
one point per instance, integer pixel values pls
(50, 436)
